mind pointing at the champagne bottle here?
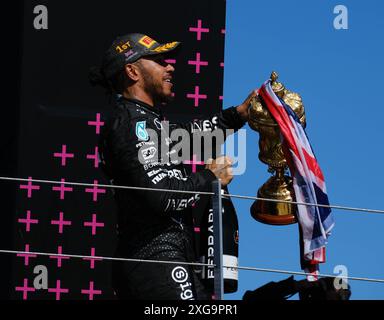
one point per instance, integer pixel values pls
(230, 245)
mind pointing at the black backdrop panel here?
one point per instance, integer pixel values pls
(58, 114)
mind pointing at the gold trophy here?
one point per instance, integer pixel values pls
(279, 186)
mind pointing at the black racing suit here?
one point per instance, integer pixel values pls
(154, 225)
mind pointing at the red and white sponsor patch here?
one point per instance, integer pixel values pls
(147, 41)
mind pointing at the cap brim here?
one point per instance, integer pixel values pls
(163, 48)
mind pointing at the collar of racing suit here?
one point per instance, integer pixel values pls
(146, 107)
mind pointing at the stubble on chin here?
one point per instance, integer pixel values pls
(155, 90)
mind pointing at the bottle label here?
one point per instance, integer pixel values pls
(228, 272)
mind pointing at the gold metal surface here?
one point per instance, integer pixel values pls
(279, 186)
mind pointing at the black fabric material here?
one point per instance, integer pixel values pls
(143, 280)
(144, 214)
(147, 219)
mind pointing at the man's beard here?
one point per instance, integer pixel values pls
(155, 90)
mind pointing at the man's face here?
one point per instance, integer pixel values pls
(157, 77)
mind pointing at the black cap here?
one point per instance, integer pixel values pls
(130, 48)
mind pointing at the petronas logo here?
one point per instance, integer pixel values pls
(141, 131)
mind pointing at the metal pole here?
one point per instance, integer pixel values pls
(218, 240)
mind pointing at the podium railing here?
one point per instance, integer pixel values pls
(218, 233)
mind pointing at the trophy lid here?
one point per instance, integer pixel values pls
(277, 87)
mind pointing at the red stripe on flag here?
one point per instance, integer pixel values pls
(281, 117)
(313, 165)
(318, 256)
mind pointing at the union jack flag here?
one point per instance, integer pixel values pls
(308, 181)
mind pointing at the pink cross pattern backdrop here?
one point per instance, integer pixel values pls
(63, 219)
(62, 222)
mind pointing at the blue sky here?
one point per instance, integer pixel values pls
(339, 75)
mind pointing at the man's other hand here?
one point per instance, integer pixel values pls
(221, 168)
(243, 108)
